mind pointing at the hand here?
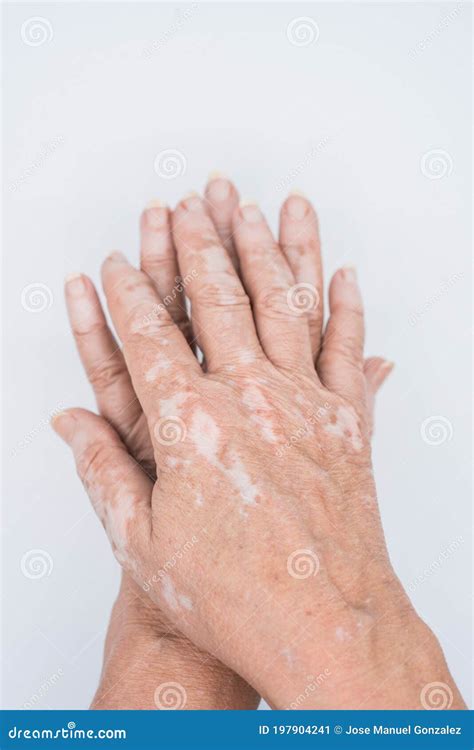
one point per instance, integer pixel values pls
(144, 653)
(139, 636)
(271, 509)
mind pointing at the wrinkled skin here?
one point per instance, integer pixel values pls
(260, 540)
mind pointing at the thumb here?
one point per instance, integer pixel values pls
(117, 486)
(376, 370)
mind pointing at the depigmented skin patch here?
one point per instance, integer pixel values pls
(345, 425)
(261, 412)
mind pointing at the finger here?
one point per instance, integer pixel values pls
(221, 201)
(282, 327)
(106, 369)
(376, 371)
(340, 364)
(158, 260)
(157, 354)
(220, 308)
(299, 241)
(119, 490)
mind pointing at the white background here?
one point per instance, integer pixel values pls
(347, 119)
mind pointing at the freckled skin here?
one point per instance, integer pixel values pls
(234, 589)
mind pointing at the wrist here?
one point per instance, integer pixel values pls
(394, 664)
(144, 670)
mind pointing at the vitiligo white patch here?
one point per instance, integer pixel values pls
(346, 426)
(240, 478)
(171, 407)
(261, 412)
(199, 499)
(205, 435)
(155, 370)
(172, 598)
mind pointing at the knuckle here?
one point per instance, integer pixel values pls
(93, 462)
(106, 374)
(353, 310)
(147, 319)
(212, 295)
(273, 301)
(348, 350)
(82, 334)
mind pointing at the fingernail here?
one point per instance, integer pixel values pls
(349, 274)
(218, 187)
(297, 206)
(156, 213)
(193, 202)
(63, 423)
(117, 257)
(155, 203)
(300, 193)
(75, 284)
(386, 365)
(250, 212)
